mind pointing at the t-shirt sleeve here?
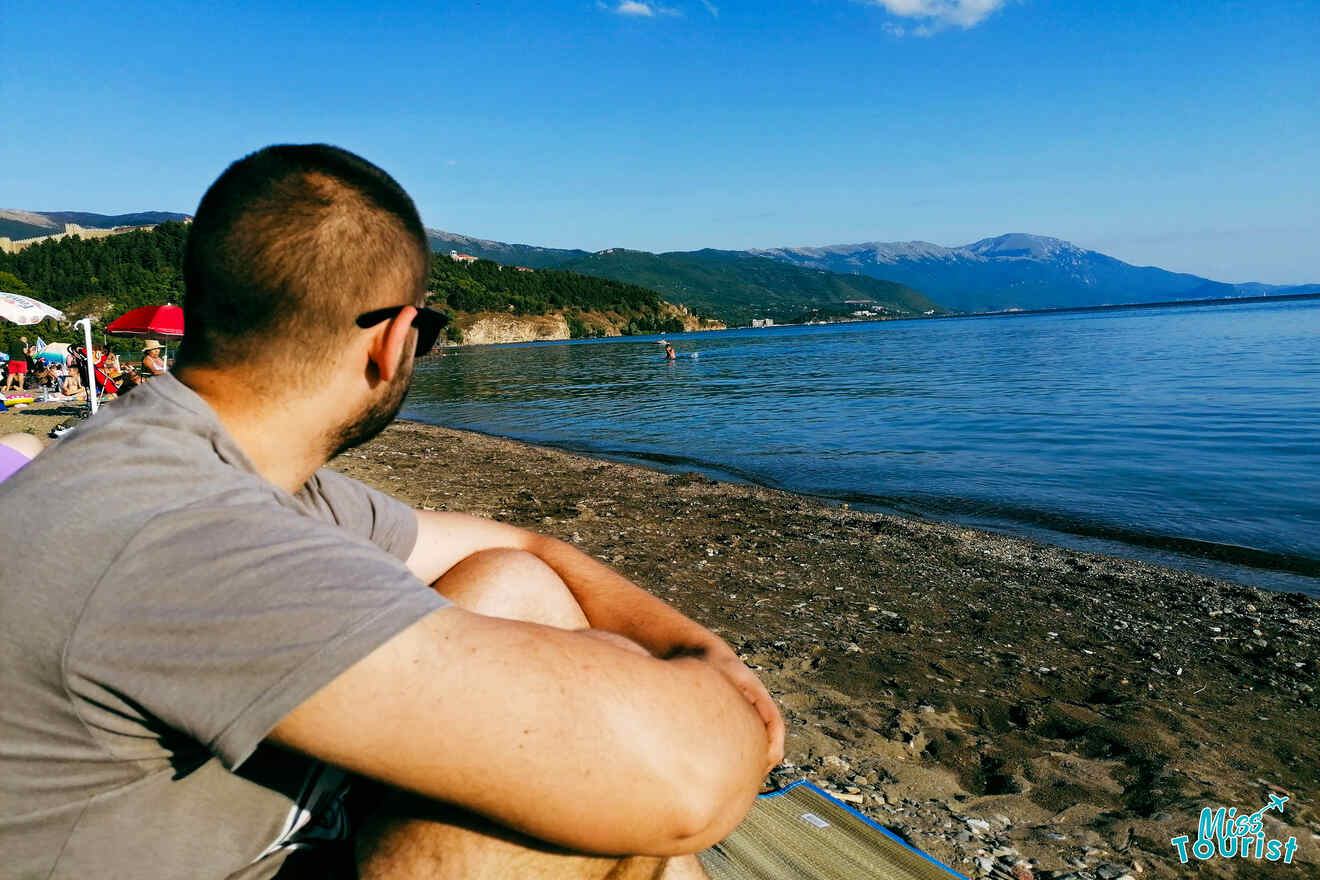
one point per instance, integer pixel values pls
(217, 622)
(357, 508)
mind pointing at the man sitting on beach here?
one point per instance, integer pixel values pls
(70, 384)
(186, 695)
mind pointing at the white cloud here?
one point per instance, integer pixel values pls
(711, 8)
(935, 15)
(637, 9)
(632, 7)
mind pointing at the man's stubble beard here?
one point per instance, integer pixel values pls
(372, 419)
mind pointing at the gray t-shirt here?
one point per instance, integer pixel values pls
(162, 607)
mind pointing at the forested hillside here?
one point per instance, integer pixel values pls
(739, 287)
(120, 272)
(106, 277)
(100, 277)
(592, 306)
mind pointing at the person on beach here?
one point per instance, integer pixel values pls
(46, 376)
(60, 371)
(152, 363)
(17, 366)
(71, 385)
(128, 379)
(111, 366)
(195, 698)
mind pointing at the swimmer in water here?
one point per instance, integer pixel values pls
(669, 352)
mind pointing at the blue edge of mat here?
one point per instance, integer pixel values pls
(869, 821)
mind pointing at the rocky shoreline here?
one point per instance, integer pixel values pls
(1014, 709)
(502, 328)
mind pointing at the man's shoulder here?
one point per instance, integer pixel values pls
(99, 484)
(136, 453)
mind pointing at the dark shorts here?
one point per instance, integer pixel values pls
(337, 859)
(17, 367)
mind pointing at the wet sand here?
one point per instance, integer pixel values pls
(1011, 708)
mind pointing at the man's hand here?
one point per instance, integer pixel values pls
(750, 686)
(719, 655)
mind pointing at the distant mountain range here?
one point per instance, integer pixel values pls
(505, 254)
(737, 286)
(1014, 271)
(34, 224)
(1018, 271)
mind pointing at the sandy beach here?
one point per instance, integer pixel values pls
(1014, 709)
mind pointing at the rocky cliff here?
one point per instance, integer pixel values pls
(490, 328)
(494, 328)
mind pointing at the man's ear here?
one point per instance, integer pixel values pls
(387, 349)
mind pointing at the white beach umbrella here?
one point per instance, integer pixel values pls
(20, 309)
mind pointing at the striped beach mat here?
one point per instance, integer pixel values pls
(801, 833)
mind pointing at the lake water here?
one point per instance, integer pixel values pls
(1188, 436)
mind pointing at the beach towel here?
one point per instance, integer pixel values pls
(801, 833)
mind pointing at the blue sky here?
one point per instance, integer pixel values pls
(1184, 135)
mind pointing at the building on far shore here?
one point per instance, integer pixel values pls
(462, 258)
(763, 322)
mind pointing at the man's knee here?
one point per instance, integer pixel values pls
(23, 443)
(515, 584)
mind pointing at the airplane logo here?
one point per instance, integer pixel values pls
(1276, 803)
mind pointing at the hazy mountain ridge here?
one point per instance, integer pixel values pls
(18, 224)
(109, 221)
(528, 255)
(1017, 271)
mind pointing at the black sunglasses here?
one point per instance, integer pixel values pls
(428, 322)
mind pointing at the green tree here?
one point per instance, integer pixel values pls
(11, 283)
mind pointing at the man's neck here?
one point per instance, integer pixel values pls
(282, 441)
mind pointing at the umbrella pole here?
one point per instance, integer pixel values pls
(91, 365)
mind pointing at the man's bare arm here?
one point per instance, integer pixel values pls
(558, 734)
(609, 600)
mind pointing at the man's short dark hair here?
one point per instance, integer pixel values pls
(287, 247)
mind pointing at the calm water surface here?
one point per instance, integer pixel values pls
(1188, 436)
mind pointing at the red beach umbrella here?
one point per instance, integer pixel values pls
(166, 320)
